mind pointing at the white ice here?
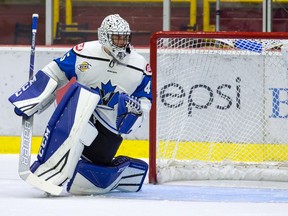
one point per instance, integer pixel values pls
(201, 198)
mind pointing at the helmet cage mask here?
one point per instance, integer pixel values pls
(115, 35)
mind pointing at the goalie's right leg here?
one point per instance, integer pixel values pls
(66, 134)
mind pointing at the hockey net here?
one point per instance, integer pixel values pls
(220, 107)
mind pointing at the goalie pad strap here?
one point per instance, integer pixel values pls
(35, 95)
(63, 141)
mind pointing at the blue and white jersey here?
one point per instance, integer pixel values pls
(96, 69)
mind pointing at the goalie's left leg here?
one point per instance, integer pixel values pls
(124, 174)
(133, 176)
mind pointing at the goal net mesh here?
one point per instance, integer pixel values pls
(221, 108)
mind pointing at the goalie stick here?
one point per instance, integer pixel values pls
(26, 134)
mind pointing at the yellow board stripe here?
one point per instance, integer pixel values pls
(202, 151)
(217, 152)
(132, 148)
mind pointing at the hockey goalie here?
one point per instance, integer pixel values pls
(111, 97)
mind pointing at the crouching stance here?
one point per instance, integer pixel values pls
(112, 96)
(71, 129)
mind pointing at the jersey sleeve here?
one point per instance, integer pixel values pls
(145, 88)
(67, 64)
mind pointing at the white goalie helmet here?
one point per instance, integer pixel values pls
(115, 34)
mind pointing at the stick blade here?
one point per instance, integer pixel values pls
(39, 183)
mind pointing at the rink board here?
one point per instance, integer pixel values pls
(199, 150)
(132, 148)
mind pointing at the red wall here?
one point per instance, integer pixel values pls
(141, 18)
(10, 14)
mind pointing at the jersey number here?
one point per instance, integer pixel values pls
(66, 55)
(147, 88)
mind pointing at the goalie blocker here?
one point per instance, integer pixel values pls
(35, 95)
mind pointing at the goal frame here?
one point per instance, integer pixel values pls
(153, 63)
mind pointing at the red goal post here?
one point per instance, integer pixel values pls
(220, 106)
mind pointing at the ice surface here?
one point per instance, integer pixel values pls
(199, 198)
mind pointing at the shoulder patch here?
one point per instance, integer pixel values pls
(79, 47)
(148, 69)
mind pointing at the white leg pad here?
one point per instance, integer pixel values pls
(61, 147)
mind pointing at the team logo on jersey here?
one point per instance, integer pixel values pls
(148, 69)
(108, 96)
(79, 47)
(84, 66)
